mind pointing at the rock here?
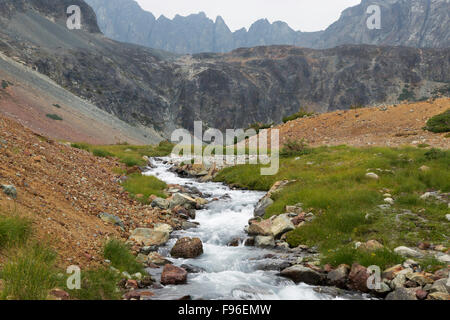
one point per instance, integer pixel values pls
(441, 285)
(372, 175)
(398, 282)
(234, 243)
(384, 288)
(420, 279)
(10, 191)
(192, 269)
(137, 294)
(298, 219)
(409, 263)
(131, 284)
(438, 296)
(281, 224)
(358, 278)
(109, 218)
(389, 201)
(408, 252)
(173, 275)
(371, 245)
(338, 276)
(156, 258)
(447, 216)
(424, 168)
(58, 294)
(262, 228)
(297, 209)
(187, 248)
(147, 249)
(299, 273)
(263, 204)
(421, 294)
(249, 242)
(160, 203)
(179, 199)
(445, 258)
(402, 294)
(264, 241)
(185, 225)
(392, 272)
(149, 237)
(163, 227)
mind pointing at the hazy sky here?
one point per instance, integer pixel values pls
(304, 15)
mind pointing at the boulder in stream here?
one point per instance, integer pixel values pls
(187, 248)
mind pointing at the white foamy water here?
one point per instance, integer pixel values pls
(229, 272)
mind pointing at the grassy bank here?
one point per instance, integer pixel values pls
(331, 182)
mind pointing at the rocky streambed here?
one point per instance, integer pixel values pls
(212, 256)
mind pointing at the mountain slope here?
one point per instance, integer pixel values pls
(415, 23)
(152, 89)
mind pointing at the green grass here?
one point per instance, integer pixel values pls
(54, 117)
(121, 257)
(29, 274)
(439, 123)
(145, 185)
(331, 183)
(301, 114)
(14, 230)
(97, 284)
(128, 154)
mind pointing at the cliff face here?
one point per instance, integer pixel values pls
(163, 91)
(415, 23)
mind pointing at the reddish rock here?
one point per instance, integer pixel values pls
(327, 268)
(187, 248)
(421, 294)
(298, 219)
(137, 294)
(131, 284)
(59, 294)
(424, 246)
(173, 275)
(358, 278)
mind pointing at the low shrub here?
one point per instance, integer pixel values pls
(145, 185)
(101, 153)
(14, 231)
(54, 117)
(301, 114)
(439, 123)
(121, 257)
(97, 284)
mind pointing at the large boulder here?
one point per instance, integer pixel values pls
(163, 227)
(264, 241)
(262, 228)
(358, 278)
(160, 203)
(281, 224)
(261, 206)
(299, 273)
(173, 275)
(156, 258)
(149, 237)
(338, 277)
(187, 248)
(408, 252)
(402, 294)
(179, 199)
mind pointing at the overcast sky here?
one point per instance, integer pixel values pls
(304, 15)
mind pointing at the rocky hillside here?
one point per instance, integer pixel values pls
(161, 91)
(415, 23)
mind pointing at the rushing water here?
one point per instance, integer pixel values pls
(228, 272)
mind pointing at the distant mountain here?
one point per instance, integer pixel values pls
(158, 91)
(414, 23)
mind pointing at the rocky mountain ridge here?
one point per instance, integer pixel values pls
(414, 23)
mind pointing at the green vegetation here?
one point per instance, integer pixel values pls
(137, 184)
(295, 148)
(54, 117)
(14, 230)
(129, 155)
(101, 153)
(29, 274)
(120, 256)
(57, 105)
(406, 95)
(439, 123)
(331, 183)
(301, 114)
(97, 284)
(5, 84)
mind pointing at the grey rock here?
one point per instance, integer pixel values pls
(10, 191)
(408, 252)
(299, 273)
(260, 209)
(160, 203)
(402, 294)
(110, 218)
(264, 241)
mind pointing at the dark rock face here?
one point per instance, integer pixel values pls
(415, 23)
(358, 278)
(161, 91)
